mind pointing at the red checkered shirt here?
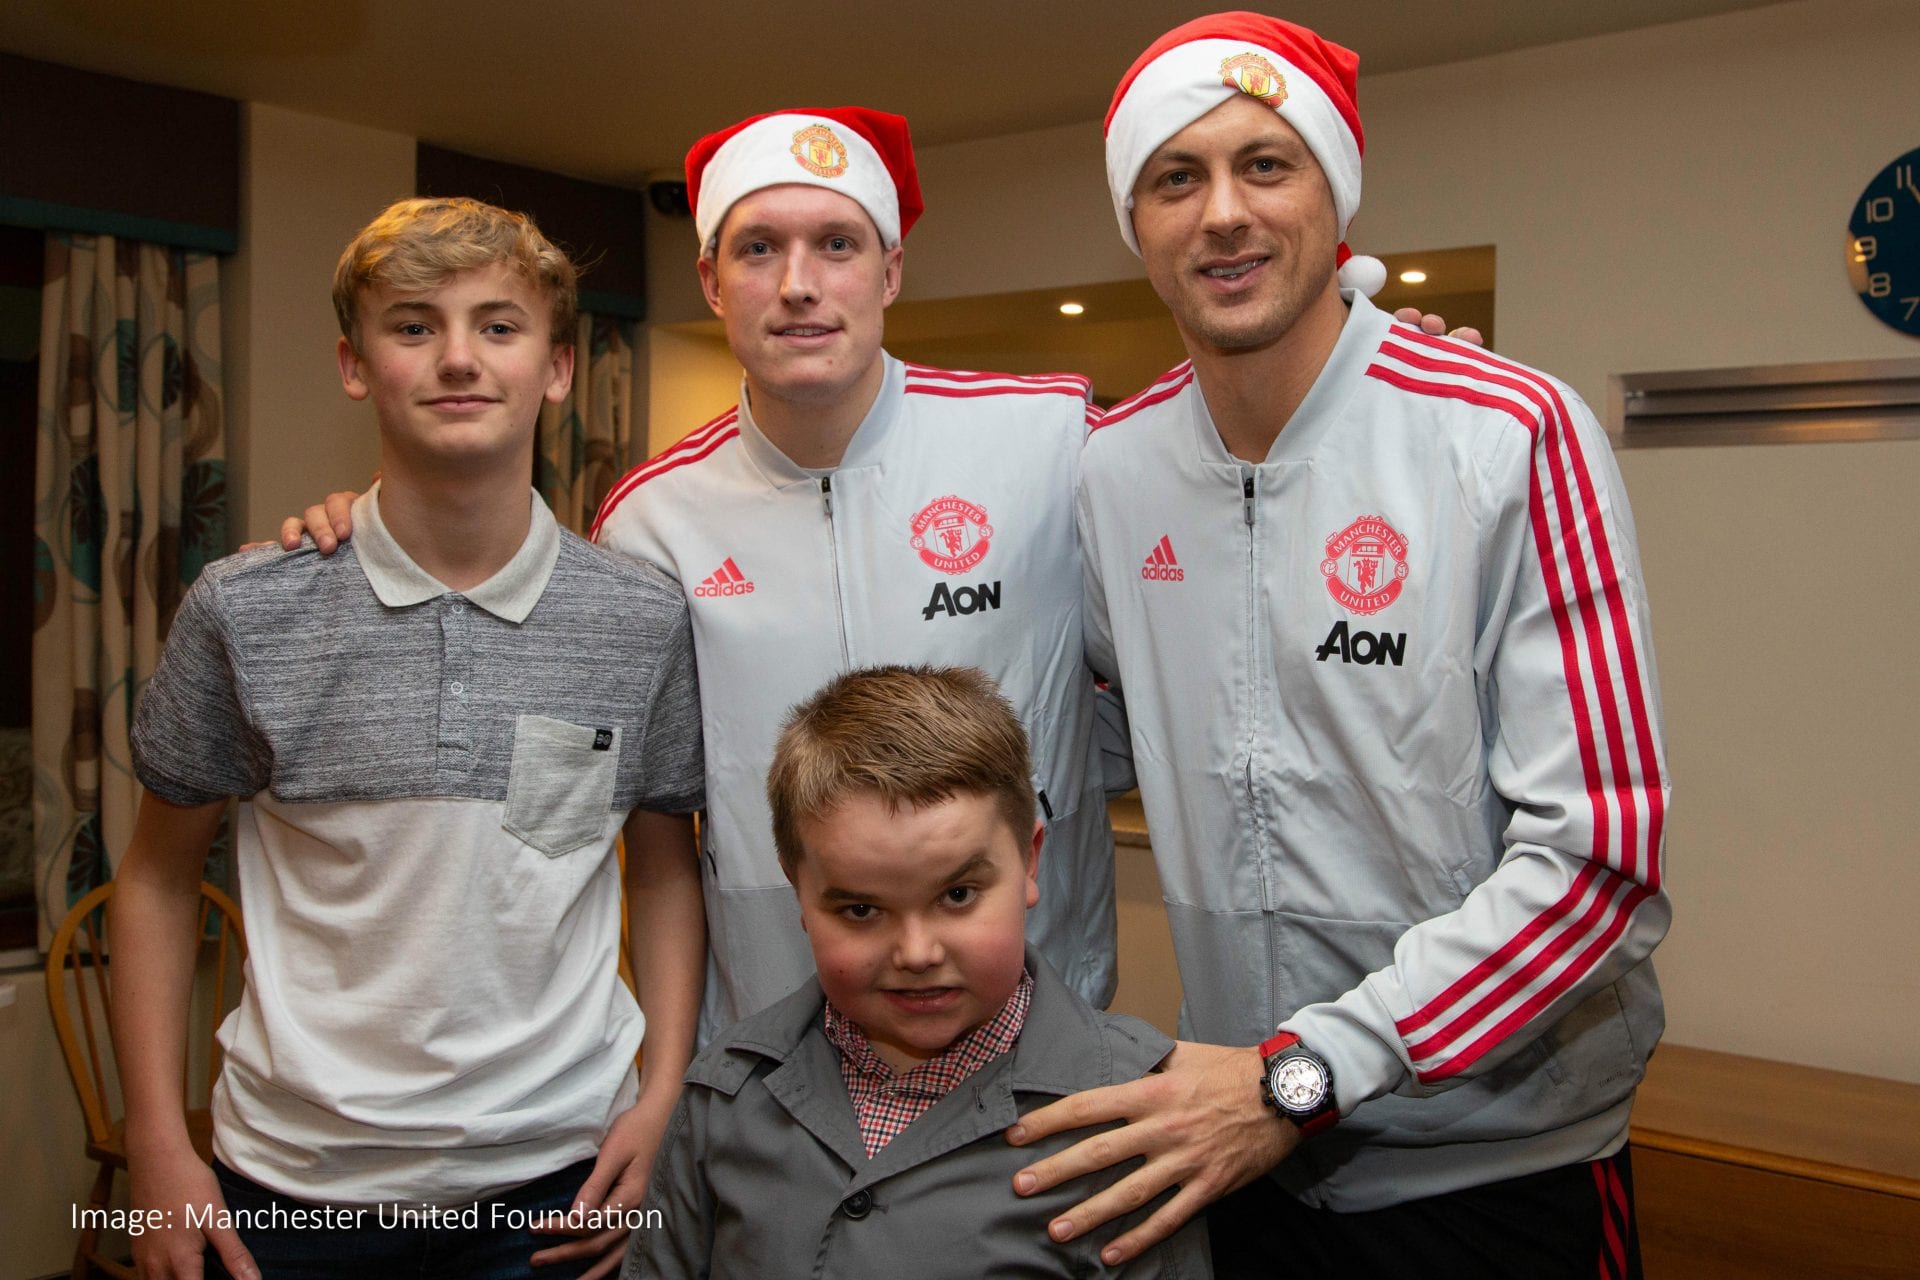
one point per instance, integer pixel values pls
(884, 1102)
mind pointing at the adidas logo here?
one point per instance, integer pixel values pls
(1160, 565)
(727, 580)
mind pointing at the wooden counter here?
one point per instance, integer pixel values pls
(1745, 1167)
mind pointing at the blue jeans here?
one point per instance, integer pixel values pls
(379, 1246)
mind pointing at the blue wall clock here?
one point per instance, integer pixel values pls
(1883, 245)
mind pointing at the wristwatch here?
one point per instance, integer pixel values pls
(1296, 1082)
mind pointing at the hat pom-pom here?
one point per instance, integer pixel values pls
(1367, 275)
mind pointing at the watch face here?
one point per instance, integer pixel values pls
(1883, 244)
(1299, 1083)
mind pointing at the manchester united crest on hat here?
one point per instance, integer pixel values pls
(1366, 565)
(1254, 76)
(952, 534)
(819, 152)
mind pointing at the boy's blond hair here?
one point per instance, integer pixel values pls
(909, 735)
(420, 243)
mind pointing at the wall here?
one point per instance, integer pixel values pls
(1005, 214)
(309, 184)
(694, 379)
(1677, 198)
(673, 287)
(1664, 199)
(41, 1136)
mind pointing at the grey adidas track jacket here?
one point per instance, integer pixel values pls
(1398, 733)
(944, 536)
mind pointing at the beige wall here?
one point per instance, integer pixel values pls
(693, 379)
(1025, 212)
(309, 184)
(41, 1136)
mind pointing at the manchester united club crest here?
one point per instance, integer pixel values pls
(1366, 565)
(951, 534)
(1254, 76)
(819, 152)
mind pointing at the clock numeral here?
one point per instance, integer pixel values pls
(1866, 248)
(1912, 302)
(1880, 209)
(1880, 285)
(1903, 178)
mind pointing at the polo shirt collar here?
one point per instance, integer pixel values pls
(398, 582)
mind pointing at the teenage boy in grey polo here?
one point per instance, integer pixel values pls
(426, 850)
(436, 739)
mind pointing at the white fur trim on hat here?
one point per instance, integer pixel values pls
(810, 150)
(1185, 83)
(1368, 275)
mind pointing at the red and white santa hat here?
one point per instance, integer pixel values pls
(861, 153)
(1197, 66)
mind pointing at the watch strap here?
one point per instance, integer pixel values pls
(1276, 1042)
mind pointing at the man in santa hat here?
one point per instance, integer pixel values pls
(854, 509)
(1395, 719)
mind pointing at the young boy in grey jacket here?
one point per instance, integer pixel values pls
(855, 1128)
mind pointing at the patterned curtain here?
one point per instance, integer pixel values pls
(584, 442)
(130, 502)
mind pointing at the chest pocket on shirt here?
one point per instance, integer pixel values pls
(560, 788)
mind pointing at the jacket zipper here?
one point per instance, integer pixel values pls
(1250, 715)
(833, 554)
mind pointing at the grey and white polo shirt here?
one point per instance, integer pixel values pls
(433, 781)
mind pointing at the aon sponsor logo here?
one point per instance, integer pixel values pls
(1365, 647)
(958, 600)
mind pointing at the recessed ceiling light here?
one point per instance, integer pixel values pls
(1413, 277)
(1071, 308)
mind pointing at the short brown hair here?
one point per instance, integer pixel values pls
(420, 243)
(909, 735)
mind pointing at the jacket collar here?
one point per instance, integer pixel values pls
(1056, 1056)
(1050, 1057)
(863, 450)
(1326, 400)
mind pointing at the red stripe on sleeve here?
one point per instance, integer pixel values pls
(1554, 425)
(688, 450)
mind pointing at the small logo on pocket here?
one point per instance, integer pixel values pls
(602, 739)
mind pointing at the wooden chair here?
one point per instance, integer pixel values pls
(80, 996)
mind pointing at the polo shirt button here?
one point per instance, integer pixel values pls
(458, 607)
(857, 1205)
(457, 687)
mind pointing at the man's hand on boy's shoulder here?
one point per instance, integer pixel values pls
(1198, 1122)
(330, 523)
(618, 1184)
(1437, 325)
(174, 1248)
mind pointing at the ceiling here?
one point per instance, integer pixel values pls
(615, 90)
